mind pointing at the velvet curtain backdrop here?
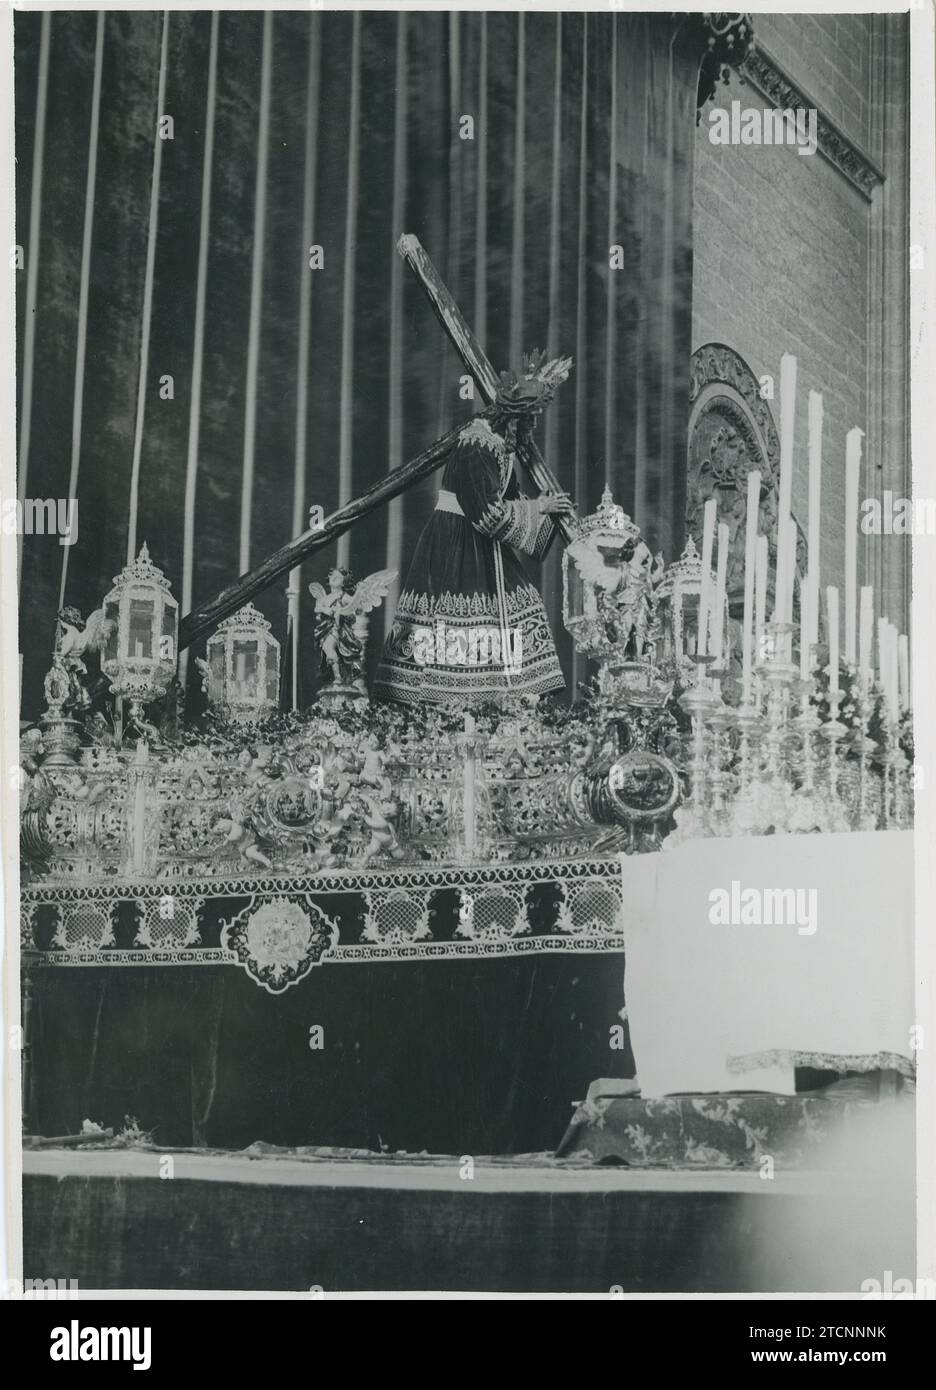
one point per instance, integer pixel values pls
(148, 258)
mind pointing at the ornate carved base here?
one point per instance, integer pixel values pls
(332, 697)
(61, 739)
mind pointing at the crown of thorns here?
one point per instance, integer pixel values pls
(534, 386)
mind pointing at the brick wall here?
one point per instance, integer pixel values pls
(782, 252)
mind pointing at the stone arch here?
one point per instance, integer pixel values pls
(731, 431)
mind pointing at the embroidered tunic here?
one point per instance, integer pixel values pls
(469, 624)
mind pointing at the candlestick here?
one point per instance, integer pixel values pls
(718, 617)
(760, 597)
(832, 612)
(852, 475)
(865, 636)
(750, 564)
(784, 502)
(815, 490)
(708, 537)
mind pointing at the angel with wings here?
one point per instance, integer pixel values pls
(75, 640)
(623, 579)
(341, 622)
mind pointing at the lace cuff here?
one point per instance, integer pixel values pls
(517, 524)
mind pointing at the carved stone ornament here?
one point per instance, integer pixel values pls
(728, 39)
(763, 71)
(732, 431)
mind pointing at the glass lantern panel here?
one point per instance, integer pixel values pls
(272, 673)
(575, 598)
(167, 643)
(142, 613)
(246, 662)
(112, 617)
(216, 670)
(690, 623)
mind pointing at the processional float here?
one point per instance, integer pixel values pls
(673, 738)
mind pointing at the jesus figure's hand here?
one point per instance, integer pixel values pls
(558, 504)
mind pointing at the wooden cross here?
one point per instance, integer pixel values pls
(471, 353)
(204, 618)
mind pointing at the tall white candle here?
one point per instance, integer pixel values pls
(865, 636)
(804, 630)
(815, 492)
(784, 606)
(792, 569)
(784, 503)
(708, 538)
(750, 564)
(718, 614)
(852, 477)
(903, 667)
(787, 424)
(832, 614)
(760, 597)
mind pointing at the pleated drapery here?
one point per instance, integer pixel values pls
(199, 386)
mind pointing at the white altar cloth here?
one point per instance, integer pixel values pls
(732, 1007)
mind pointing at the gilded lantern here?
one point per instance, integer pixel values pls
(678, 597)
(244, 667)
(141, 650)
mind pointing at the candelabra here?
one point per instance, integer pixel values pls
(718, 722)
(779, 675)
(750, 724)
(895, 768)
(833, 731)
(864, 746)
(807, 723)
(699, 700)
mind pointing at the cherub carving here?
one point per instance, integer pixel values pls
(383, 838)
(241, 832)
(372, 772)
(244, 821)
(74, 640)
(341, 622)
(624, 578)
(37, 792)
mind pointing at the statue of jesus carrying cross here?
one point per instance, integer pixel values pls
(465, 572)
(466, 580)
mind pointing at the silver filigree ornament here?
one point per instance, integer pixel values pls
(280, 941)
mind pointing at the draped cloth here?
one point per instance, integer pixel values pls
(580, 139)
(469, 624)
(740, 1007)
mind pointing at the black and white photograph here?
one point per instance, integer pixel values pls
(466, 476)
